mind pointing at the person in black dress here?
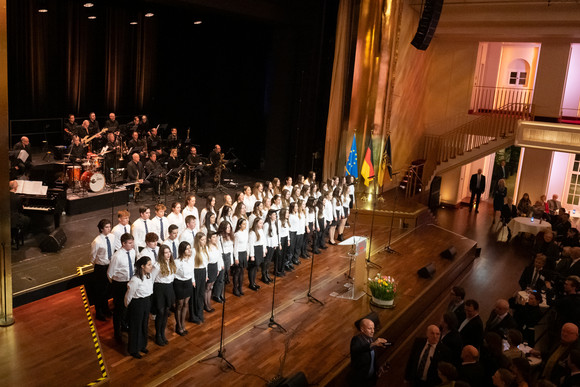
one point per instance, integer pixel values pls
(499, 195)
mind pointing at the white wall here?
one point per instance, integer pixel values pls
(511, 52)
(535, 169)
(572, 88)
(558, 172)
(455, 183)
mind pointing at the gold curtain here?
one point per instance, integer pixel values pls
(372, 84)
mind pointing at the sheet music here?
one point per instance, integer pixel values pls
(23, 155)
(28, 187)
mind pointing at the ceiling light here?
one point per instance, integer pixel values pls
(133, 23)
(149, 14)
(197, 22)
(42, 10)
(88, 5)
(92, 17)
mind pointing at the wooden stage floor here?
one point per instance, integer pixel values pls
(317, 338)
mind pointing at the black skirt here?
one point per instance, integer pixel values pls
(346, 211)
(183, 289)
(212, 272)
(258, 256)
(243, 259)
(163, 296)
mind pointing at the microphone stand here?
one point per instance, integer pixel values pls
(388, 249)
(272, 322)
(352, 251)
(222, 351)
(369, 263)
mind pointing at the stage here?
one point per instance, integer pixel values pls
(317, 338)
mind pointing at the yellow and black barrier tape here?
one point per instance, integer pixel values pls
(95, 339)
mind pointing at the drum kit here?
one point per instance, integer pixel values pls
(88, 176)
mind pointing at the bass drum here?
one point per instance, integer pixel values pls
(93, 181)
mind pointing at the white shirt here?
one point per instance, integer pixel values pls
(203, 214)
(139, 288)
(139, 230)
(169, 242)
(288, 187)
(149, 252)
(119, 230)
(337, 208)
(272, 241)
(119, 267)
(215, 256)
(284, 231)
(311, 216)
(168, 279)
(176, 219)
(191, 211)
(188, 235)
(157, 224)
(328, 212)
(204, 260)
(253, 242)
(249, 202)
(293, 221)
(184, 270)
(240, 242)
(301, 224)
(99, 251)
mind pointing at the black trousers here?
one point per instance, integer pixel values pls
(292, 247)
(320, 234)
(200, 276)
(270, 254)
(101, 289)
(139, 309)
(280, 258)
(120, 313)
(477, 196)
(299, 251)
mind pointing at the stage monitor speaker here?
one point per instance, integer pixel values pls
(427, 271)
(427, 24)
(53, 242)
(296, 380)
(373, 316)
(450, 253)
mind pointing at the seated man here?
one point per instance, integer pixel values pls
(527, 315)
(554, 205)
(136, 172)
(546, 245)
(533, 276)
(156, 172)
(553, 358)
(567, 306)
(500, 320)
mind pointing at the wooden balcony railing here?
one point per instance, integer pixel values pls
(498, 123)
(489, 99)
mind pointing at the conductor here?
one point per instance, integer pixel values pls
(363, 359)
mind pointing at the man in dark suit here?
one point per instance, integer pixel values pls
(476, 186)
(23, 166)
(534, 276)
(500, 320)
(573, 363)
(567, 306)
(451, 337)
(362, 355)
(471, 371)
(425, 355)
(554, 358)
(500, 171)
(456, 303)
(471, 329)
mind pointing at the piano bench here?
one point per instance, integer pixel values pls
(17, 236)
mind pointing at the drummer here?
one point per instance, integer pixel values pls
(77, 151)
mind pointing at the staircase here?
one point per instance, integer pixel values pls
(473, 140)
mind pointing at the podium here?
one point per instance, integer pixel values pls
(356, 287)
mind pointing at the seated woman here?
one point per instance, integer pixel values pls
(525, 206)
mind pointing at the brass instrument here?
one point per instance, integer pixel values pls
(219, 168)
(137, 185)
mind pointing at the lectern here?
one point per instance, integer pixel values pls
(357, 253)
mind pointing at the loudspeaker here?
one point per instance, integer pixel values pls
(427, 271)
(296, 380)
(427, 24)
(53, 242)
(373, 316)
(450, 253)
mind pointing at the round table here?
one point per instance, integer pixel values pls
(524, 224)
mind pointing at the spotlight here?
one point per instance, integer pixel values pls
(42, 10)
(133, 23)
(92, 17)
(149, 14)
(88, 5)
(197, 22)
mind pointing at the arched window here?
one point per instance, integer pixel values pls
(518, 72)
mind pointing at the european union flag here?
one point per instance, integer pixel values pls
(352, 163)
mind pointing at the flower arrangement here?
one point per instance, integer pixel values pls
(383, 287)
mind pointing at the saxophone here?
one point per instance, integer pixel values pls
(137, 185)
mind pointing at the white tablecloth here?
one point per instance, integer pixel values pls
(523, 224)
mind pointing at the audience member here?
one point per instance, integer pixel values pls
(514, 338)
(573, 363)
(425, 355)
(554, 205)
(533, 276)
(571, 238)
(503, 378)
(546, 245)
(471, 329)
(567, 306)
(363, 359)
(522, 370)
(525, 206)
(451, 337)
(554, 358)
(447, 373)
(471, 371)
(456, 303)
(500, 320)
(492, 356)
(527, 315)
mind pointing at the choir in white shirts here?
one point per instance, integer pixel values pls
(167, 279)
(188, 235)
(249, 201)
(99, 250)
(119, 267)
(149, 252)
(139, 229)
(139, 288)
(240, 242)
(190, 211)
(161, 223)
(185, 268)
(176, 219)
(119, 230)
(173, 246)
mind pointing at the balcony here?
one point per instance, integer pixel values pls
(488, 99)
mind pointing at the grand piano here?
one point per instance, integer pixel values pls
(42, 207)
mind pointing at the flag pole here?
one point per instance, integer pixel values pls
(388, 249)
(369, 262)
